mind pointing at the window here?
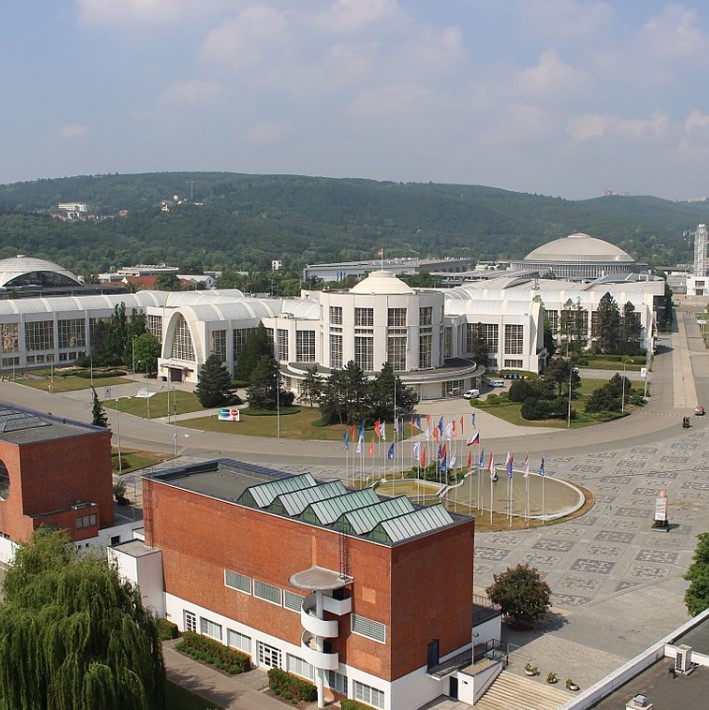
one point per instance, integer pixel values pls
(86, 521)
(396, 351)
(490, 333)
(553, 318)
(299, 667)
(9, 337)
(335, 352)
(513, 363)
(268, 655)
(39, 335)
(337, 682)
(267, 592)
(235, 639)
(153, 324)
(514, 339)
(396, 318)
(335, 315)
(305, 346)
(364, 352)
(4, 480)
(453, 388)
(369, 628)
(425, 344)
(367, 694)
(182, 344)
(234, 580)
(282, 350)
(190, 621)
(72, 333)
(240, 336)
(292, 601)
(364, 317)
(448, 343)
(426, 315)
(10, 361)
(218, 344)
(210, 628)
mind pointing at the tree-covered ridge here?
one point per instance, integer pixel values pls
(242, 222)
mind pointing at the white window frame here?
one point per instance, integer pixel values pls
(262, 590)
(367, 694)
(210, 628)
(190, 621)
(362, 626)
(292, 601)
(238, 579)
(268, 656)
(239, 641)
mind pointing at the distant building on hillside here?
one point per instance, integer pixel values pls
(341, 270)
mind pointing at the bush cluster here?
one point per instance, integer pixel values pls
(167, 630)
(556, 408)
(213, 653)
(354, 705)
(289, 687)
(98, 374)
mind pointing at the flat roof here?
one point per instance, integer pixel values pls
(25, 426)
(260, 488)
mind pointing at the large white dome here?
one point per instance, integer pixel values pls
(381, 282)
(28, 271)
(579, 248)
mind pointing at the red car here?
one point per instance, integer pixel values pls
(699, 410)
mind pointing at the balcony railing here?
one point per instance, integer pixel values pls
(320, 659)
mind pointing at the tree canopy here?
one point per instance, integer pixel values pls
(213, 383)
(696, 598)
(265, 389)
(73, 635)
(521, 594)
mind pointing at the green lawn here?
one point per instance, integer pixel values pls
(177, 698)
(180, 403)
(70, 383)
(132, 460)
(610, 362)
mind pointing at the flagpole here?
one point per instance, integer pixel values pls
(492, 493)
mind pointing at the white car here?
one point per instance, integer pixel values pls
(471, 394)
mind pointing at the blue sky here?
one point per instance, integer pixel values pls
(559, 97)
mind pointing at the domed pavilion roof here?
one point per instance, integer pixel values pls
(28, 271)
(579, 248)
(381, 282)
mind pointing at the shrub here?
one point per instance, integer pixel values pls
(214, 653)
(291, 687)
(520, 390)
(167, 630)
(354, 705)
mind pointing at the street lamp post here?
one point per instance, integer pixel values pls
(622, 399)
(568, 415)
(278, 403)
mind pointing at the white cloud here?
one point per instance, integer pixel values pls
(591, 127)
(258, 33)
(188, 91)
(71, 131)
(349, 16)
(552, 76)
(268, 132)
(697, 122)
(564, 18)
(519, 123)
(674, 34)
(388, 100)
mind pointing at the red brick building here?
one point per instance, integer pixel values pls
(362, 594)
(54, 473)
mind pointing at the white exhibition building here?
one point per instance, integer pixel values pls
(427, 334)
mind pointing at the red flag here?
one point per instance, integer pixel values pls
(436, 434)
(442, 452)
(423, 457)
(462, 433)
(371, 447)
(453, 427)
(470, 460)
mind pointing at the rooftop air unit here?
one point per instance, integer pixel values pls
(683, 659)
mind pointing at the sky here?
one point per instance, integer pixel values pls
(558, 97)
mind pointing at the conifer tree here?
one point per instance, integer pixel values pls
(98, 413)
(214, 383)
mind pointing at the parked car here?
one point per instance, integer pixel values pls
(699, 410)
(471, 394)
(497, 383)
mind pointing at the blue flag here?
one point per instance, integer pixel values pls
(481, 461)
(347, 439)
(390, 453)
(473, 417)
(541, 468)
(443, 467)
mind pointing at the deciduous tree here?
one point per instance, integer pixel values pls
(73, 635)
(521, 594)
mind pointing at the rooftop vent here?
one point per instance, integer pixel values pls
(639, 702)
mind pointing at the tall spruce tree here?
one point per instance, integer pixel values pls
(214, 383)
(98, 413)
(607, 327)
(257, 344)
(73, 635)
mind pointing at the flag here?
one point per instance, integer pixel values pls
(474, 439)
(418, 422)
(371, 448)
(416, 450)
(436, 434)
(353, 432)
(401, 425)
(448, 431)
(427, 434)
(453, 460)
(442, 451)
(462, 433)
(390, 453)
(481, 460)
(443, 466)
(383, 429)
(470, 460)
(526, 466)
(491, 465)
(508, 464)
(453, 427)
(422, 460)
(378, 428)
(380, 253)
(360, 438)
(440, 425)
(473, 418)
(541, 468)
(347, 439)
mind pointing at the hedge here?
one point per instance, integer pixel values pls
(167, 630)
(213, 653)
(354, 705)
(291, 687)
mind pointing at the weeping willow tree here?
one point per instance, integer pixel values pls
(74, 636)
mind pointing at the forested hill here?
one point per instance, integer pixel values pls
(230, 220)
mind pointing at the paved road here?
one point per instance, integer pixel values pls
(617, 585)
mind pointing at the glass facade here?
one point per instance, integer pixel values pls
(364, 352)
(10, 337)
(72, 333)
(39, 335)
(305, 346)
(514, 339)
(335, 351)
(364, 317)
(182, 348)
(217, 344)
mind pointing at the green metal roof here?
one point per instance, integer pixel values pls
(326, 512)
(403, 527)
(294, 503)
(262, 495)
(363, 520)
